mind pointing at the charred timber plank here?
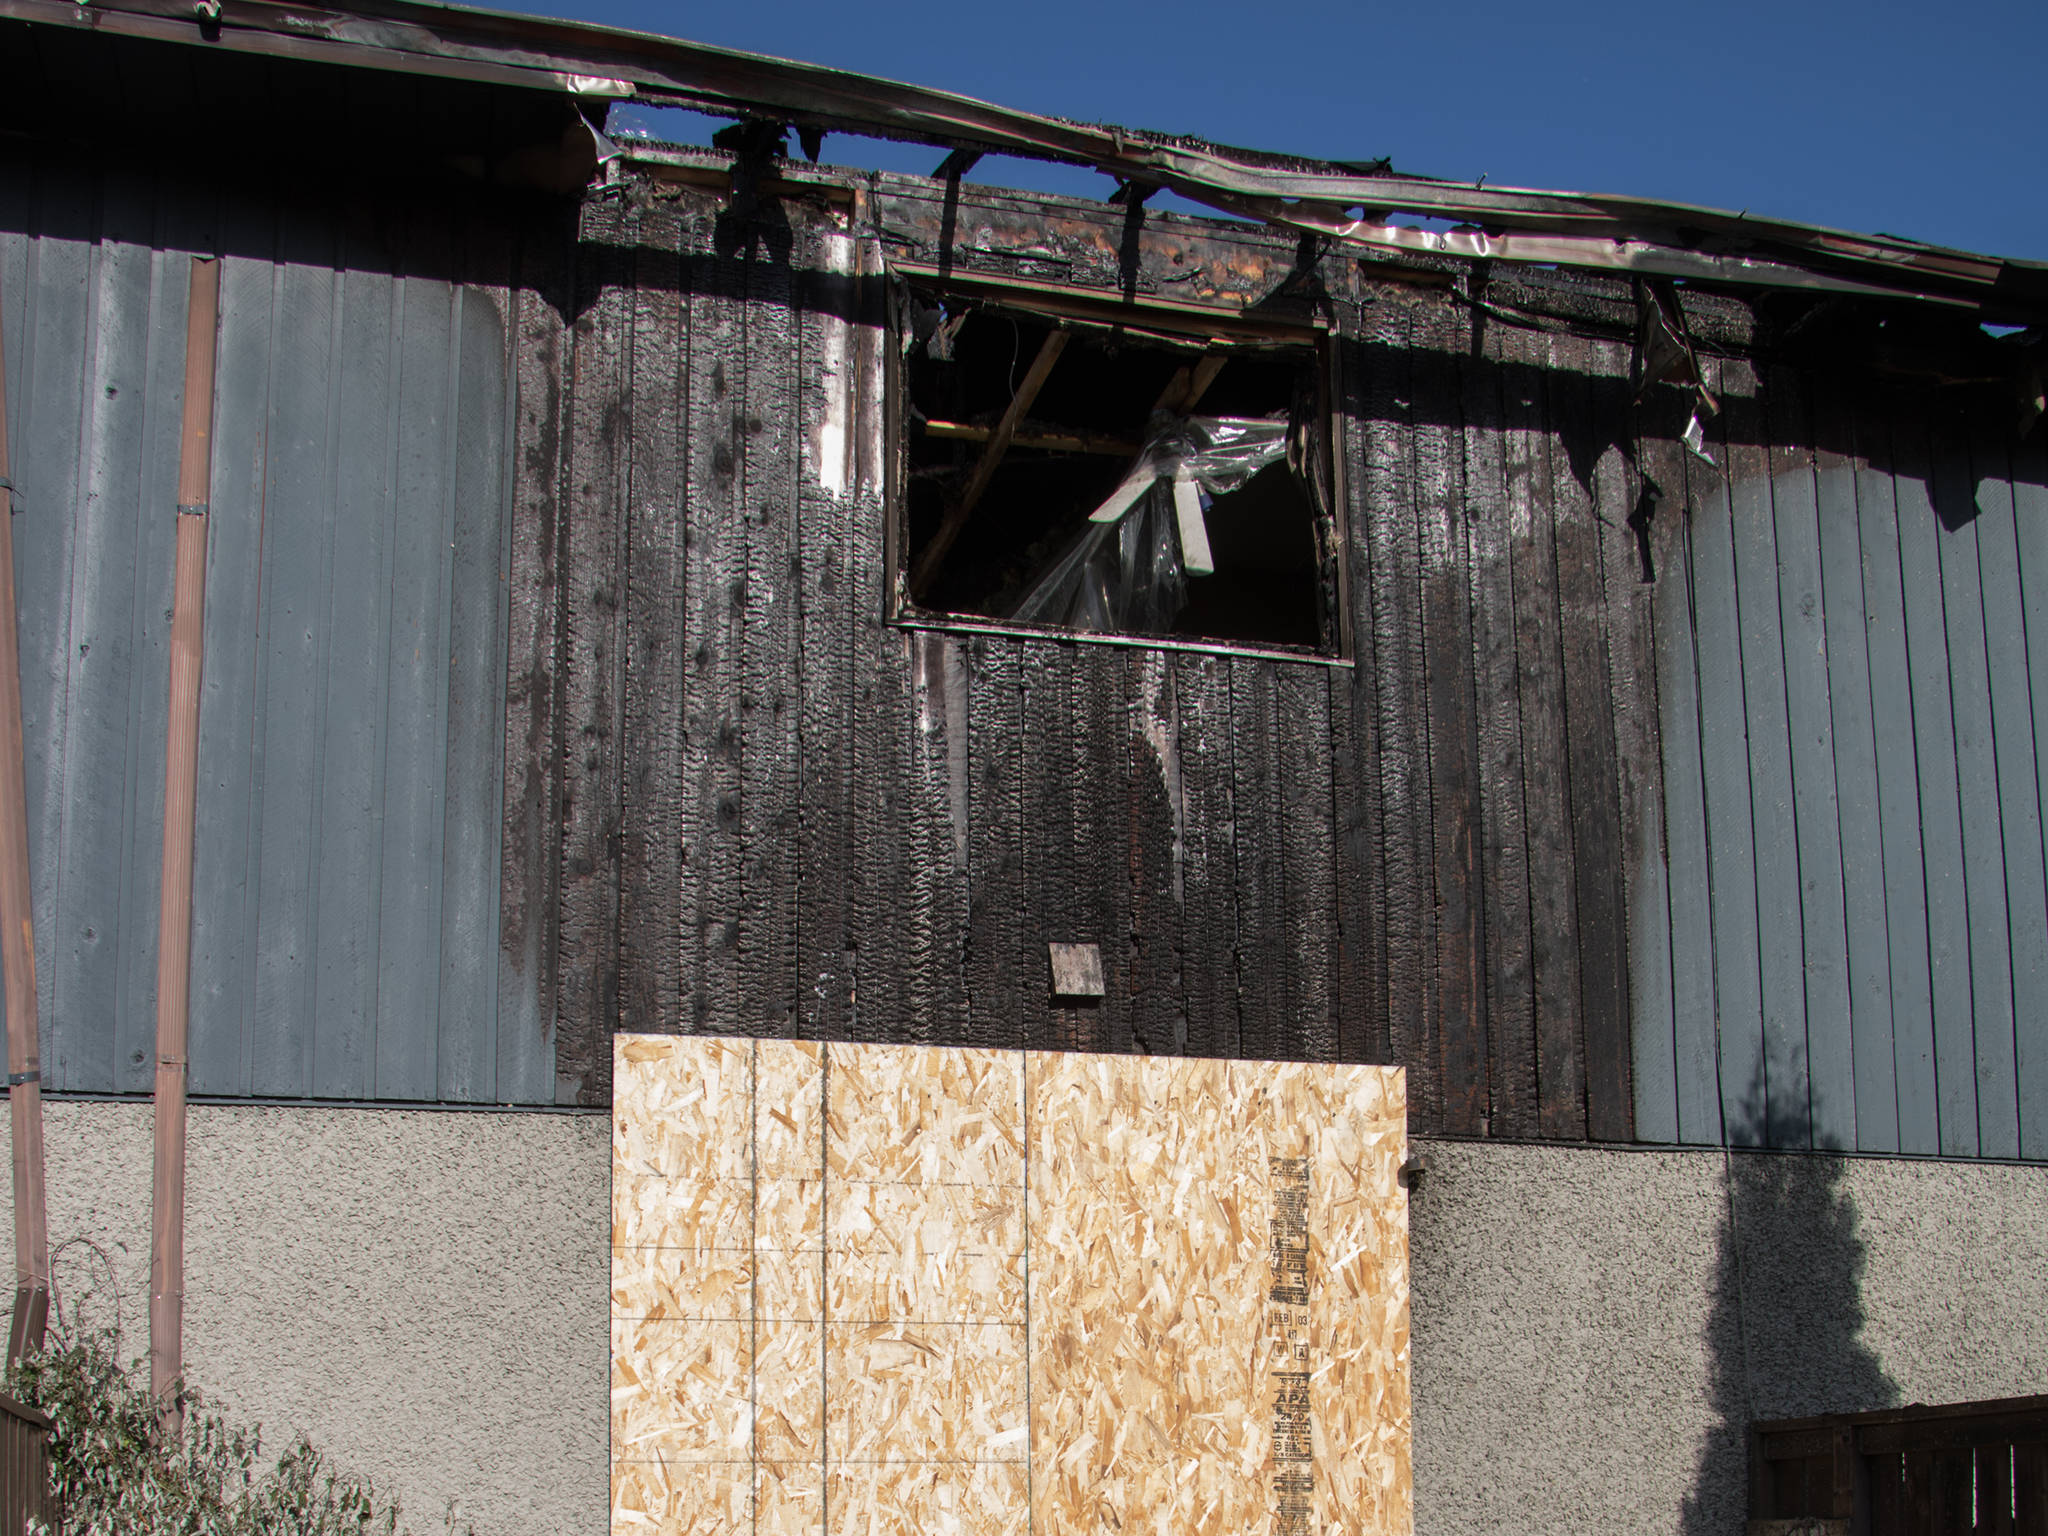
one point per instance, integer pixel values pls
(1208, 917)
(529, 887)
(1354, 744)
(1307, 861)
(2030, 513)
(1959, 521)
(1459, 1024)
(651, 810)
(1802, 605)
(1503, 848)
(600, 416)
(1051, 775)
(1002, 979)
(1941, 810)
(713, 615)
(936, 803)
(1406, 849)
(1265, 963)
(1678, 1094)
(1847, 638)
(1152, 855)
(1097, 804)
(1560, 1079)
(840, 395)
(1575, 450)
(1627, 596)
(770, 541)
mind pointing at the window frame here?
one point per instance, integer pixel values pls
(1177, 322)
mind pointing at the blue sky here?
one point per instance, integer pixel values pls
(1929, 120)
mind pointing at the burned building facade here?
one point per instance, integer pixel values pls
(1582, 656)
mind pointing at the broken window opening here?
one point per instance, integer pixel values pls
(1113, 480)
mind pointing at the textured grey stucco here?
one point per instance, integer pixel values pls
(425, 1294)
(1588, 1341)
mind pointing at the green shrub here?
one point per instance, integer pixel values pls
(115, 1474)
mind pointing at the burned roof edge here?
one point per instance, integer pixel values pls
(1347, 205)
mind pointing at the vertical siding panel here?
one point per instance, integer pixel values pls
(1597, 851)
(1151, 844)
(714, 601)
(153, 523)
(935, 813)
(1307, 833)
(840, 474)
(530, 882)
(1941, 824)
(1694, 1025)
(650, 793)
(1731, 846)
(1893, 705)
(1000, 975)
(1854, 744)
(297, 578)
(85, 943)
(405, 1060)
(475, 648)
(2030, 515)
(1507, 997)
(352, 752)
(769, 768)
(1098, 796)
(1990, 1022)
(1560, 1077)
(1354, 747)
(52, 338)
(1388, 485)
(1265, 962)
(1803, 613)
(1787, 1105)
(230, 798)
(1629, 573)
(1201, 687)
(600, 430)
(2026, 889)
(1458, 1022)
(1052, 771)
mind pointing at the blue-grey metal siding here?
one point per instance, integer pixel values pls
(1853, 665)
(346, 888)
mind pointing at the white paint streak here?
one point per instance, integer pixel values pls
(831, 443)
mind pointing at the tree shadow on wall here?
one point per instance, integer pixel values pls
(1784, 1331)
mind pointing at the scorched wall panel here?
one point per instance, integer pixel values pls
(911, 1289)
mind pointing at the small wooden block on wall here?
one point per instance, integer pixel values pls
(901, 1290)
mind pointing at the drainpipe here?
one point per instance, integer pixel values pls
(181, 781)
(18, 956)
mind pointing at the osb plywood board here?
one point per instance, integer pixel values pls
(909, 1291)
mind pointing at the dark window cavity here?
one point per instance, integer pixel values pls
(1079, 476)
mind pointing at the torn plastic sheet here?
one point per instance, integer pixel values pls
(1127, 572)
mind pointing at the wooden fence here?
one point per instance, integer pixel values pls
(1966, 1469)
(24, 1468)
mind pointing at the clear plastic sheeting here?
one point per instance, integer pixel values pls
(1127, 573)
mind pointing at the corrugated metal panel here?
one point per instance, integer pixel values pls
(352, 727)
(1861, 664)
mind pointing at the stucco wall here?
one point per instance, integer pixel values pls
(424, 1293)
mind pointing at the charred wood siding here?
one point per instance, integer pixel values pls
(1433, 856)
